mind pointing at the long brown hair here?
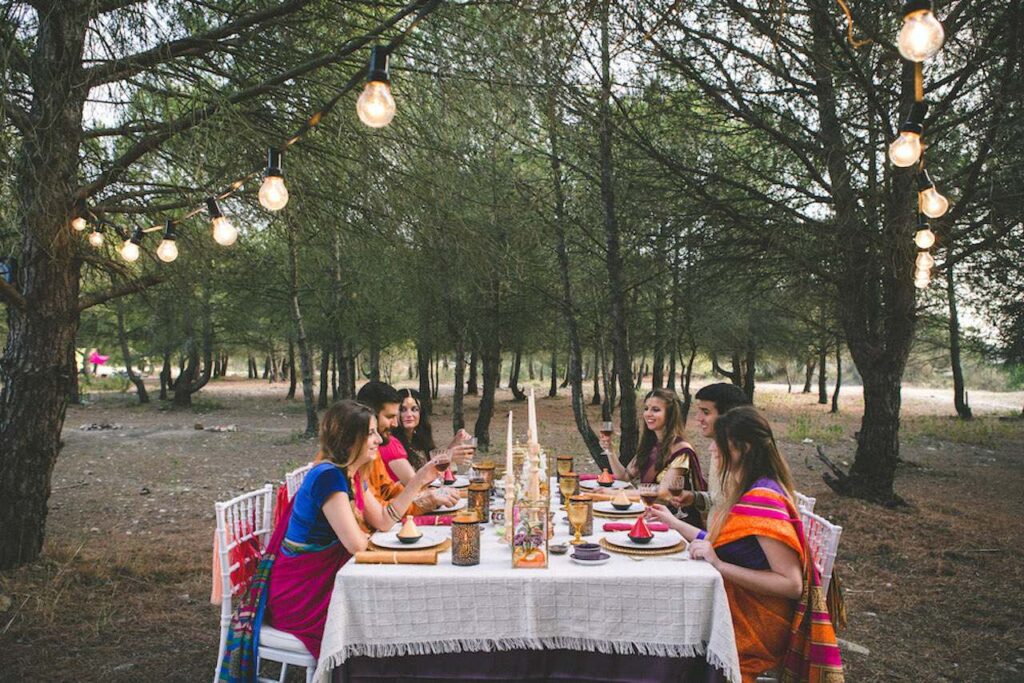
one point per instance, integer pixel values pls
(343, 432)
(745, 429)
(422, 441)
(673, 429)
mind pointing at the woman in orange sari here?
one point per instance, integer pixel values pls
(757, 542)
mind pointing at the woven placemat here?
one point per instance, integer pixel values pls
(447, 545)
(678, 547)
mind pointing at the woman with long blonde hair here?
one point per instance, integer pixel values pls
(756, 541)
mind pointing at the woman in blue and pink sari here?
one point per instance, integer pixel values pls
(329, 520)
(756, 541)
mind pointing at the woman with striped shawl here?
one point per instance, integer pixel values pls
(756, 541)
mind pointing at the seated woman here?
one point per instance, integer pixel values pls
(663, 450)
(756, 541)
(413, 440)
(329, 520)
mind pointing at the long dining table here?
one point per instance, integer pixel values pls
(655, 618)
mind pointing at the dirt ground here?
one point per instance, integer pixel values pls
(933, 590)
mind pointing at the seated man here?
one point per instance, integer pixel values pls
(384, 400)
(713, 401)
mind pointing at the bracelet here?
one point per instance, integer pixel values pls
(390, 509)
(701, 535)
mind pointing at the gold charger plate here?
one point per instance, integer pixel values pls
(445, 546)
(671, 550)
(618, 515)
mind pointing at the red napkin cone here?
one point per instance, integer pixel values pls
(640, 529)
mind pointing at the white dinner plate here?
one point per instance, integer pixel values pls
(458, 506)
(607, 508)
(662, 539)
(593, 485)
(460, 482)
(389, 540)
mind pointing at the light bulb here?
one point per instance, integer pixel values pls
(96, 238)
(167, 251)
(223, 232)
(921, 36)
(932, 204)
(924, 239)
(906, 149)
(924, 261)
(78, 223)
(130, 251)
(273, 193)
(376, 106)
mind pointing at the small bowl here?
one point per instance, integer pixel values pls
(605, 483)
(558, 548)
(410, 539)
(640, 540)
(620, 506)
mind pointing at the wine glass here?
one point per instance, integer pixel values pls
(564, 465)
(442, 459)
(648, 493)
(577, 517)
(674, 482)
(567, 485)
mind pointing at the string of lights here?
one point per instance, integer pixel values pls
(375, 107)
(919, 40)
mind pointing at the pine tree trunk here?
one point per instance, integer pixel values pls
(513, 378)
(959, 390)
(529, 369)
(658, 367)
(305, 358)
(491, 361)
(335, 372)
(809, 365)
(266, 368)
(822, 374)
(191, 379)
(750, 369)
(140, 386)
(423, 364)
(596, 400)
(291, 371)
(472, 389)
(553, 389)
(458, 385)
(165, 375)
(325, 380)
(839, 376)
(685, 382)
(374, 358)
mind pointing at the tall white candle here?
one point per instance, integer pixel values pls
(532, 416)
(508, 447)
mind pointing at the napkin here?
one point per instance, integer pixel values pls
(432, 520)
(622, 526)
(588, 477)
(397, 557)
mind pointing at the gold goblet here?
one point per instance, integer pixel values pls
(567, 485)
(564, 465)
(577, 517)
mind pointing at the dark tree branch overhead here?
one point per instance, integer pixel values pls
(119, 69)
(194, 118)
(90, 300)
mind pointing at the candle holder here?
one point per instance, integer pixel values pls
(530, 540)
(465, 540)
(588, 526)
(479, 499)
(485, 470)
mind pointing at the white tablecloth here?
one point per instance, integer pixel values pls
(664, 606)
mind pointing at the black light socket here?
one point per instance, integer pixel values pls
(169, 231)
(922, 222)
(378, 64)
(136, 237)
(916, 6)
(213, 208)
(915, 122)
(273, 164)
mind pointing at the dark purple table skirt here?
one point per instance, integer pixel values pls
(529, 665)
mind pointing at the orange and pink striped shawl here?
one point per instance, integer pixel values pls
(773, 632)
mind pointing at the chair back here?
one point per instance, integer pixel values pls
(823, 542)
(803, 502)
(293, 480)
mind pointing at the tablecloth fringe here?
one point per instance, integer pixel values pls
(381, 650)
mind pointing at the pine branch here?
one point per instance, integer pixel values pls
(10, 294)
(132, 287)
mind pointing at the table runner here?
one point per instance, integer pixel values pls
(661, 606)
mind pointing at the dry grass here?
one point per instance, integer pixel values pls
(934, 590)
